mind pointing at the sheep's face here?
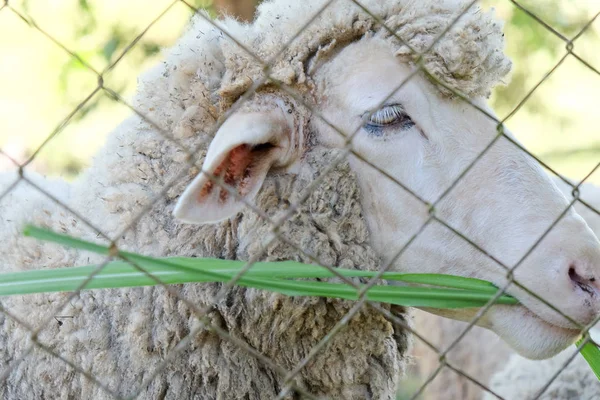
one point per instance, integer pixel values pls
(503, 204)
(424, 141)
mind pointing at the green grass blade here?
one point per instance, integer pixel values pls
(267, 276)
(67, 241)
(284, 269)
(591, 353)
(119, 274)
(457, 282)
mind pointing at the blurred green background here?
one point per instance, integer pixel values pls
(41, 84)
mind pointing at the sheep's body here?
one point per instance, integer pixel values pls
(117, 334)
(483, 355)
(523, 379)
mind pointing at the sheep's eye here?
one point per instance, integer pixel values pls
(388, 116)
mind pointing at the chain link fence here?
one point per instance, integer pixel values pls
(290, 386)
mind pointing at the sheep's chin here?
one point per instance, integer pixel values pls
(530, 335)
(527, 333)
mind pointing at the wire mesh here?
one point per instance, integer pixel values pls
(291, 385)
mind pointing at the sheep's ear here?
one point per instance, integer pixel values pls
(244, 149)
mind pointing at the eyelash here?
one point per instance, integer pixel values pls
(386, 117)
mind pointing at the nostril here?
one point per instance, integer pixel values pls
(585, 284)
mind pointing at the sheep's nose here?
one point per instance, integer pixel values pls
(584, 281)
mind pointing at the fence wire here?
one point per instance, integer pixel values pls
(290, 377)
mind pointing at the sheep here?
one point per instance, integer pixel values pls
(524, 379)
(268, 138)
(483, 356)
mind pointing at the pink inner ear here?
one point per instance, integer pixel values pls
(235, 170)
(240, 159)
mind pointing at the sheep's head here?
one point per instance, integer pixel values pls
(411, 149)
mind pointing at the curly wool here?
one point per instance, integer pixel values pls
(206, 71)
(523, 379)
(468, 58)
(120, 336)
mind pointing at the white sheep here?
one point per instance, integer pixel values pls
(482, 355)
(271, 147)
(525, 379)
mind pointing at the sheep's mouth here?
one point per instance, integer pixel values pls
(522, 329)
(559, 329)
(467, 315)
